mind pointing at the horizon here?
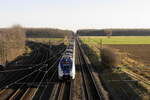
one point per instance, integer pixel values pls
(76, 14)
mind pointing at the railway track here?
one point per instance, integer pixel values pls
(11, 74)
(23, 90)
(41, 82)
(39, 92)
(52, 70)
(62, 91)
(10, 84)
(137, 77)
(90, 89)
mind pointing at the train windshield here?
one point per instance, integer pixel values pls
(66, 63)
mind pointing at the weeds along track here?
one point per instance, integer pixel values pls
(90, 89)
(36, 80)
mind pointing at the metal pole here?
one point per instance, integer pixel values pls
(101, 44)
(49, 48)
(6, 54)
(1, 52)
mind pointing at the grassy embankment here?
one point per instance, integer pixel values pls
(128, 60)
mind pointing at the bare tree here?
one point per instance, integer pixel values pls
(12, 42)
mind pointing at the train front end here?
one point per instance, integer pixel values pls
(66, 69)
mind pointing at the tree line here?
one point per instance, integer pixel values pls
(47, 33)
(13, 39)
(114, 32)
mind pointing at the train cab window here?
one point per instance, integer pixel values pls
(66, 63)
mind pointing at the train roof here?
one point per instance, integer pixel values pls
(67, 55)
(69, 50)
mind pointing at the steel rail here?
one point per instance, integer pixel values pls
(88, 78)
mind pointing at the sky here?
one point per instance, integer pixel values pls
(76, 14)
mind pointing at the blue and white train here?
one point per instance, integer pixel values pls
(66, 67)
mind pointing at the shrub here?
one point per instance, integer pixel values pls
(109, 57)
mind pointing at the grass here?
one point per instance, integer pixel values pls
(46, 40)
(116, 39)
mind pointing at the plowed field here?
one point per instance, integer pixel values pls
(139, 52)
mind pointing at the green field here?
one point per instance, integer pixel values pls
(116, 39)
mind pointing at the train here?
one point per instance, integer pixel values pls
(66, 66)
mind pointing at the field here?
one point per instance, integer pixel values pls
(134, 47)
(117, 39)
(135, 58)
(47, 40)
(140, 53)
(134, 53)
